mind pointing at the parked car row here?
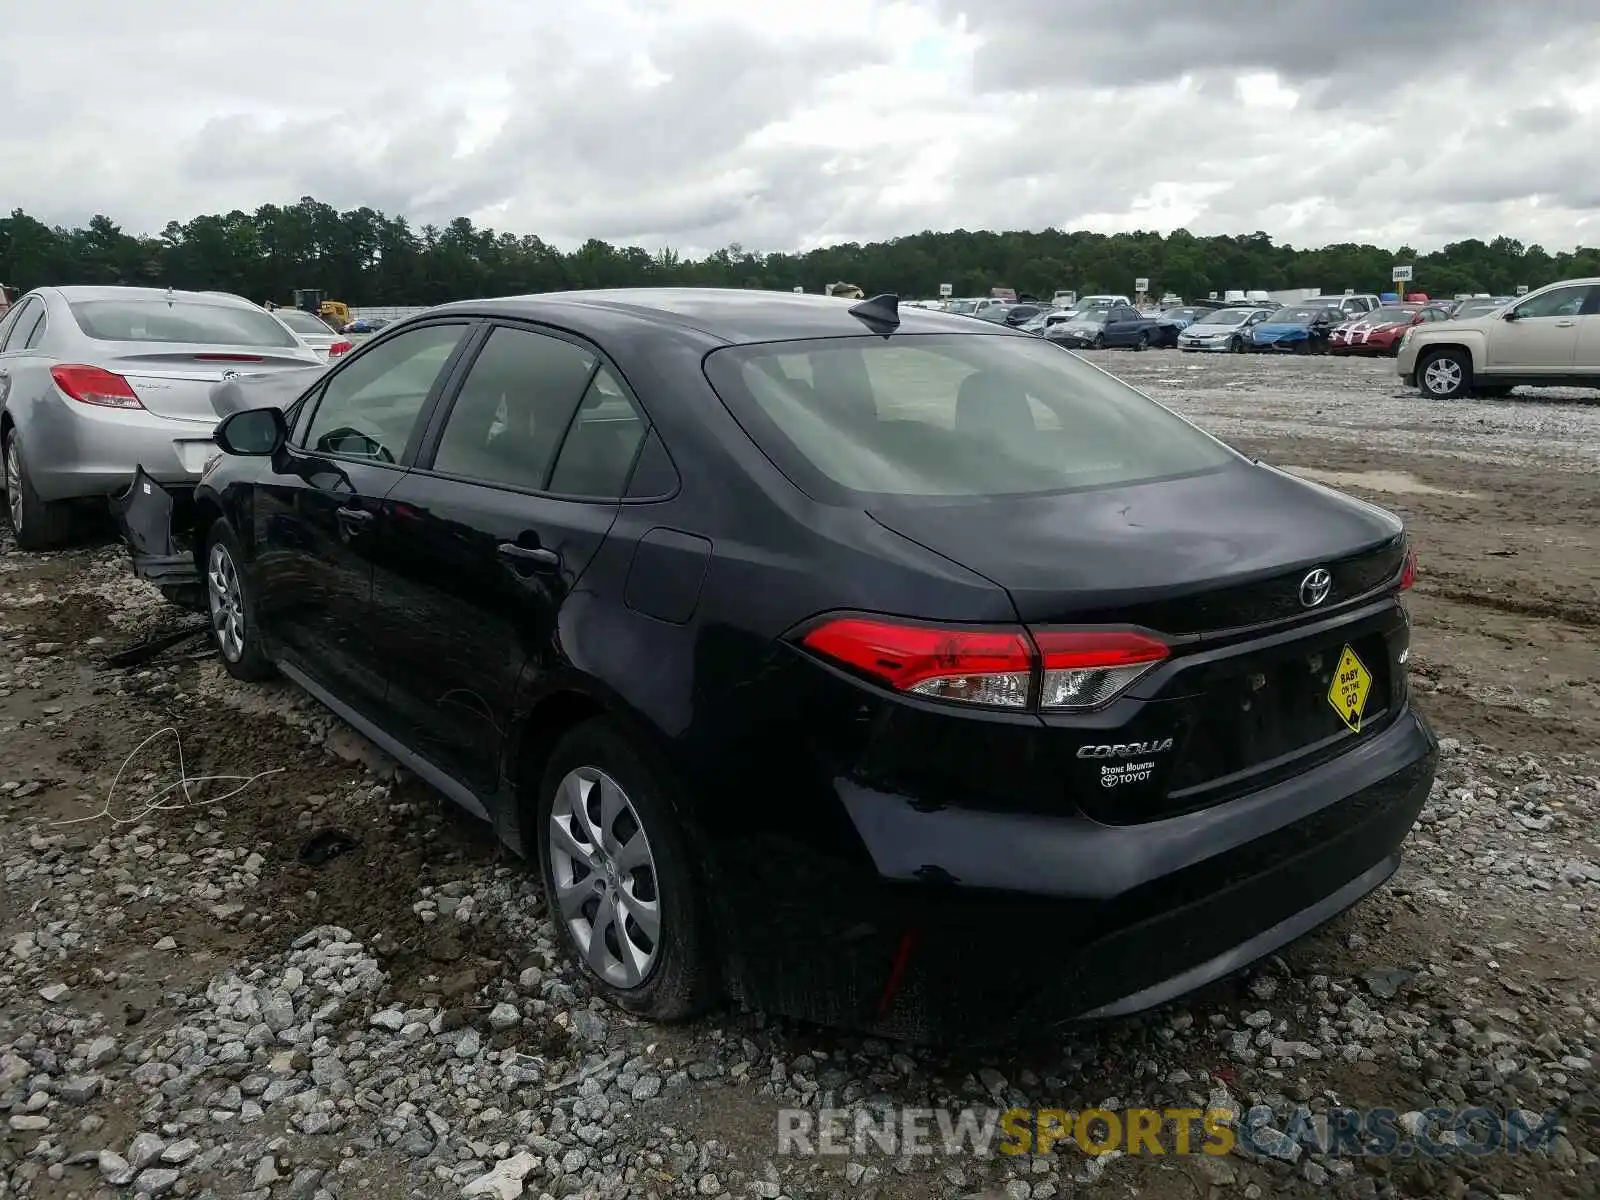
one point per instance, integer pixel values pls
(597, 564)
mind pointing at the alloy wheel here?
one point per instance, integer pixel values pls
(1442, 376)
(226, 598)
(14, 484)
(604, 877)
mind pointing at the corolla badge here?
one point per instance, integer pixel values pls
(1314, 588)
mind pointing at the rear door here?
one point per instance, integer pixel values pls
(19, 330)
(485, 540)
(1586, 359)
(1123, 325)
(314, 517)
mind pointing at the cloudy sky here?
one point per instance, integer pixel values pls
(786, 125)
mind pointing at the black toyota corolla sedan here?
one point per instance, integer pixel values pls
(870, 665)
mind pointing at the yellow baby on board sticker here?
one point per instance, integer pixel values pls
(1348, 692)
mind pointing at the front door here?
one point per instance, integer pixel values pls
(315, 516)
(1543, 338)
(484, 542)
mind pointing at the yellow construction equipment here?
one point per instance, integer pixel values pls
(335, 312)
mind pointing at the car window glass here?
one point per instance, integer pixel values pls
(20, 319)
(513, 409)
(600, 447)
(1559, 302)
(197, 322)
(33, 337)
(304, 323)
(951, 415)
(368, 409)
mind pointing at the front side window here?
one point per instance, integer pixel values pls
(369, 409)
(949, 415)
(514, 408)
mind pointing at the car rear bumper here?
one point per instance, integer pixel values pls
(154, 522)
(983, 927)
(82, 450)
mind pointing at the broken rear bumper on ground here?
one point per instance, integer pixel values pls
(155, 522)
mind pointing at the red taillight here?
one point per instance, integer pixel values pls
(995, 668)
(989, 667)
(1408, 571)
(95, 385)
(338, 348)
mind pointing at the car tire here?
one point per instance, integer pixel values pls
(670, 976)
(1099, 342)
(1144, 341)
(1236, 346)
(1445, 374)
(230, 603)
(37, 524)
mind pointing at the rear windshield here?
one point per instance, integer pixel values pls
(304, 322)
(179, 321)
(949, 415)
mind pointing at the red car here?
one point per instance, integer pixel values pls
(1380, 331)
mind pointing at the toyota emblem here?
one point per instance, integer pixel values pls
(229, 374)
(1314, 588)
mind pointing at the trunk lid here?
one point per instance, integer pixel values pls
(176, 381)
(275, 389)
(1216, 562)
(1213, 552)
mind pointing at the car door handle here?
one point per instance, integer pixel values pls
(1562, 324)
(354, 516)
(538, 556)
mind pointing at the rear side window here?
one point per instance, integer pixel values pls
(950, 415)
(369, 408)
(185, 321)
(513, 409)
(19, 324)
(600, 447)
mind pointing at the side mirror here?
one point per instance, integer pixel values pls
(253, 433)
(1512, 314)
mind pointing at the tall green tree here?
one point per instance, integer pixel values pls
(365, 257)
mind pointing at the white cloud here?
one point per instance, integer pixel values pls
(696, 123)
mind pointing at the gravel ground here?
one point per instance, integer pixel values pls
(193, 1003)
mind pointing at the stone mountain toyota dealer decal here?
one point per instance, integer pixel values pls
(1135, 767)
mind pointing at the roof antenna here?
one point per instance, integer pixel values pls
(881, 313)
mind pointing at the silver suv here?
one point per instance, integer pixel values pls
(1353, 305)
(1549, 338)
